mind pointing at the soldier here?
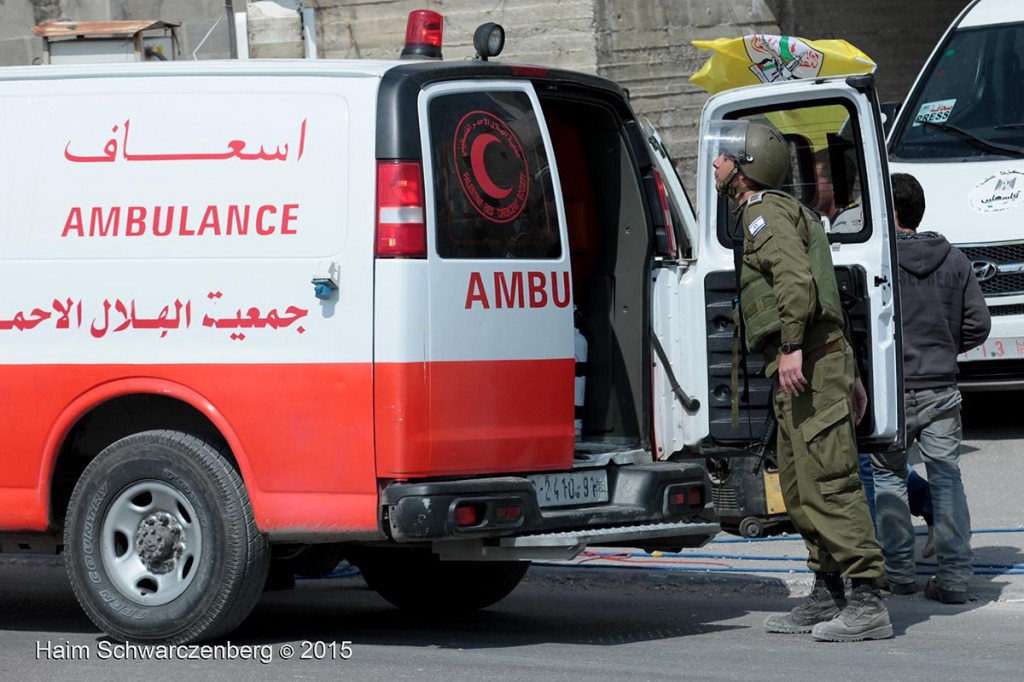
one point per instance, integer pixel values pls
(791, 313)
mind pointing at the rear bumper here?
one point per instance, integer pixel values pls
(642, 511)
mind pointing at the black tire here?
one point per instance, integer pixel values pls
(160, 543)
(416, 580)
(752, 527)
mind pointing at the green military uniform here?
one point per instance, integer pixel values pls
(788, 293)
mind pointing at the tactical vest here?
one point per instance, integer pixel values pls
(757, 298)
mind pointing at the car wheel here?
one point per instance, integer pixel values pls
(160, 541)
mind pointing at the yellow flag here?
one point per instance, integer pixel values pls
(761, 58)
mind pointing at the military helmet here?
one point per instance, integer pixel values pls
(760, 151)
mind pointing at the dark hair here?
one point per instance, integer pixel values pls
(908, 200)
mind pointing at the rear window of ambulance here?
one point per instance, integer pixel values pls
(493, 192)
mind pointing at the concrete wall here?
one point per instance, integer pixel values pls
(18, 45)
(275, 29)
(565, 33)
(538, 31)
(643, 44)
(899, 36)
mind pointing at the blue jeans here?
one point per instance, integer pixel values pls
(918, 492)
(934, 427)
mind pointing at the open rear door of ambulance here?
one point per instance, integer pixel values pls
(838, 168)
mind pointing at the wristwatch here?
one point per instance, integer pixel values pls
(788, 347)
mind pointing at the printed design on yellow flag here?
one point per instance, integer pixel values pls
(781, 58)
(763, 58)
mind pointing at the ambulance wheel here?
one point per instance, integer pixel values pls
(416, 580)
(751, 527)
(160, 543)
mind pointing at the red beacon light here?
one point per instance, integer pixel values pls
(423, 32)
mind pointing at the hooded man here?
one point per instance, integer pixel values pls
(944, 314)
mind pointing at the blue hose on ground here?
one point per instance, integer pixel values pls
(346, 570)
(979, 568)
(786, 538)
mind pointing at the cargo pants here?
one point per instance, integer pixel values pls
(817, 459)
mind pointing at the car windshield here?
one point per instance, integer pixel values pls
(971, 106)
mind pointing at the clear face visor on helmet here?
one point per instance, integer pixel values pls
(727, 138)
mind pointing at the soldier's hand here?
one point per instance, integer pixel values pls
(860, 401)
(791, 373)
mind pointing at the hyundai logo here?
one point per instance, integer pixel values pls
(984, 270)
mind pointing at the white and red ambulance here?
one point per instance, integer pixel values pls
(292, 312)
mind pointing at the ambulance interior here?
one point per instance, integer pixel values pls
(609, 247)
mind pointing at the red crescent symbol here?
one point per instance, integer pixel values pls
(480, 172)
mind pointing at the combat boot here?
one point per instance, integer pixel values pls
(865, 617)
(826, 600)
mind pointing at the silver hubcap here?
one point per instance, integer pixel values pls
(151, 543)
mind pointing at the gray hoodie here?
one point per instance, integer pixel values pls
(944, 311)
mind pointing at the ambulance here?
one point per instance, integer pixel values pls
(439, 319)
(960, 132)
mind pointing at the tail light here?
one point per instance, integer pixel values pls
(669, 243)
(401, 225)
(475, 515)
(423, 31)
(469, 514)
(684, 499)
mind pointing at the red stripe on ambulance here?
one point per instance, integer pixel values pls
(304, 434)
(483, 417)
(302, 470)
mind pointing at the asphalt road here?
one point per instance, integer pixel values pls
(557, 626)
(574, 622)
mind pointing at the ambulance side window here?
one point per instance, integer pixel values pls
(492, 185)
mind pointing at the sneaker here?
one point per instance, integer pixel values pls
(929, 544)
(865, 617)
(826, 600)
(933, 591)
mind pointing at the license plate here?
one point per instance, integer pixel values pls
(564, 489)
(996, 349)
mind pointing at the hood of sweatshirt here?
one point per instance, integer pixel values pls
(921, 253)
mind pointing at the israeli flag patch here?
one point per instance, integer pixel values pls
(756, 226)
